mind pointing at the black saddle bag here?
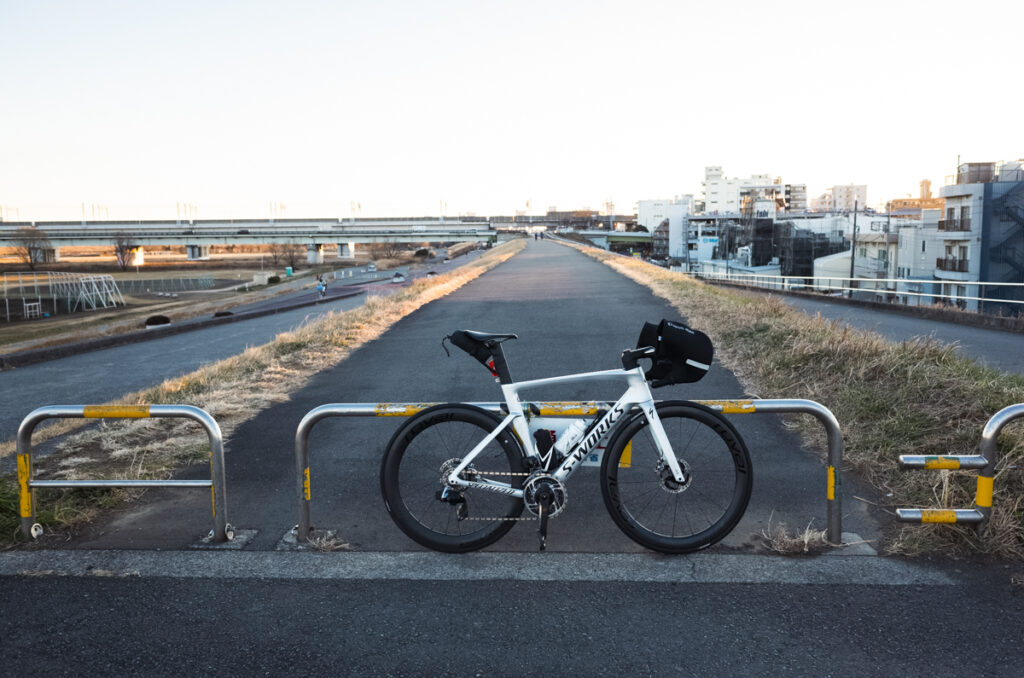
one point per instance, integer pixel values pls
(682, 355)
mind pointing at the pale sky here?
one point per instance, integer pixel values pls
(483, 105)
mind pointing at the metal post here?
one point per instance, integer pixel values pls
(217, 482)
(983, 496)
(833, 478)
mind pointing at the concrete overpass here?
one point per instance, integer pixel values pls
(197, 236)
(605, 238)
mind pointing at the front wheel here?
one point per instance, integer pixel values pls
(655, 510)
(420, 456)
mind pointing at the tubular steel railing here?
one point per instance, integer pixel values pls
(834, 528)
(985, 461)
(222, 531)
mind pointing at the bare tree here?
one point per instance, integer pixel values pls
(386, 250)
(276, 251)
(31, 244)
(293, 254)
(124, 249)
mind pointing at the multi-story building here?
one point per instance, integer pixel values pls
(977, 237)
(796, 197)
(650, 213)
(723, 195)
(912, 207)
(982, 235)
(841, 198)
(671, 223)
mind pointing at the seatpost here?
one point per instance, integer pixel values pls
(500, 365)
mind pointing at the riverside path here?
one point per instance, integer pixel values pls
(572, 314)
(114, 604)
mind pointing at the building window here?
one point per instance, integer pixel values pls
(923, 243)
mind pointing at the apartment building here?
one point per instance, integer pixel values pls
(650, 213)
(723, 195)
(977, 236)
(841, 198)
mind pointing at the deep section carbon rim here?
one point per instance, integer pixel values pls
(656, 511)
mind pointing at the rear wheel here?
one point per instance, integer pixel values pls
(423, 452)
(655, 510)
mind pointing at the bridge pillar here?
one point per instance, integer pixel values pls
(346, 250)
(197, 252)
(314, 254)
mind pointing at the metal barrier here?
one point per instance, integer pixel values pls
(222, 531)
(986, 461)
(834, 528)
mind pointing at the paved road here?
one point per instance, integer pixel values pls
(572, 315)
(100, 376)
(507, 615)
(996, 348)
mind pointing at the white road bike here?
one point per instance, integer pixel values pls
(675, 476)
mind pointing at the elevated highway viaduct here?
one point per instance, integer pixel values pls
(199, 236)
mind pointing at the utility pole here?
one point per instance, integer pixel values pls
(853, 247)
(686, 244)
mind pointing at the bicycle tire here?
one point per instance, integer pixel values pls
(411, 478)
(647, 504)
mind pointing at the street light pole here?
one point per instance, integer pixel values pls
(853, 248)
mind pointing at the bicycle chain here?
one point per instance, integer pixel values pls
(503, 519)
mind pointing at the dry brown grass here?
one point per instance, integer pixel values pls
(234, 390)
(778, 539)
(891, 398)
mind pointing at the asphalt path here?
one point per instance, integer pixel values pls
(99, 376)
(998, 349)
(306, 615)
(572, 314)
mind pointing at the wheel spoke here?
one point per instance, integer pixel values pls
(656, 512)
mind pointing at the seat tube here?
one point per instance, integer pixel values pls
(500, 365)
(519, 424)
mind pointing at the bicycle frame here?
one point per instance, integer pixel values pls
(637, 394)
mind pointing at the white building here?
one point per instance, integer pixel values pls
(723, 195)
(841, 198)
(678, 225)
(650, 213)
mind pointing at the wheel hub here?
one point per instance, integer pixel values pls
(669, 483)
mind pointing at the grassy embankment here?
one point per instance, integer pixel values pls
(233, 390)
(916, 397)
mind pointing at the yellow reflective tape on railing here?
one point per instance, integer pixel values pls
(399, 409)
(941, 463)
(730, 406)
(626, 460)
(115, 411)
(305, 483)
(213, 500)
(938, 516)
(554, 409)
(831, 491)
(984, 496)
(24, 473)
